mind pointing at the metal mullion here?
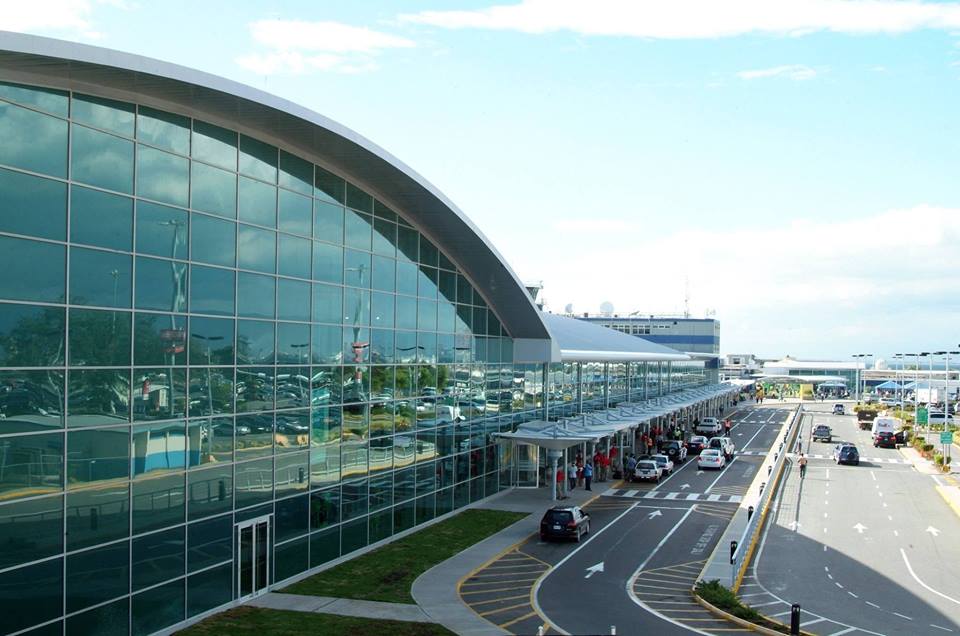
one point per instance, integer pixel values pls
(66, 361)
(35, 108)
(29, 563)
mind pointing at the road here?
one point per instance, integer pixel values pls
(655, 547)
(868, 549)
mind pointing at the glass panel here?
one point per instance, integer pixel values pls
(382, 309)
(291, 559)
(29, 336)
(384, 237)
(33, 206)
(356, 306)
(35, 271)
(209, 440)
(162, 176)
(157, 501)
(159, 394)
(406, 312)
(255, 342)
(33, 465)
(426, 315)
(381, 490)
(258, 159)
(214, 190)
(158, 557)
(358, 230)
(97, 575)
(103, 113)
(37, 395)
(427, 282)
(327, 263)
(159, 339)
(408, 243)
(404, 482)
(384, 274)
(211, 291)
(215, 145)
(258, 202)
(98, 397)
(382, 346)
(209, 491)
(164, 130)
(257, 249)
(162, 231)
(157, 608)
(161, 285)
(295, 173)
(31, 595)
(428, 252)
(328, 222)
(294, 256)
(48, 99)
(97, 515)
(325, 508)
(328, 186)
(101, 160)
(107, 620)
(256, 295)
(327, 347)
(354, 502)
(99, 338)
(98, 455)
(254, 482)
(293, 343)
(325, 459)
(356, 268)
(262, 540)
(407, 278)
(213, 241)
(358, 199)
(448, 286)
(99, 278)
(209, 589)
(403, 516)
(295, 213)
(159, 447)
(327, 303)
(245, 565)
(255, 434)
(291, 473)
(210, 542)
(33, 141)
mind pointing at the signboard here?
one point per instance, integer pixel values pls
(921, 416)
(946, 437)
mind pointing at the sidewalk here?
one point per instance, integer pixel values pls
(948, 484)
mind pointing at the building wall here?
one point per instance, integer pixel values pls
(694, 335)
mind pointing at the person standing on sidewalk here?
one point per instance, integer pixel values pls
(572, 476)
(588, 474)
(803, 466)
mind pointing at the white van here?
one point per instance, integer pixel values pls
(886, 425)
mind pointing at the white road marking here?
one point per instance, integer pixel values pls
(816, 620)
(872, 604)
(825, 568)
(917, 579)
(838, 584)
(722, 473)
(946, 629)
(896, 534)
(844, 631)
(766, 604)
(824, 515)
(824, 548)
(830, 576)
(872, 476)
(828, 473)
(933, 531)
(902, 616)
(890, 517)
(852, 594)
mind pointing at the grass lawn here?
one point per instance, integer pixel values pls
(387, 573)
(257, 621)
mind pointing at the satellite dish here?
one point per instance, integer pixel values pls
(568, 308)
(606, 307)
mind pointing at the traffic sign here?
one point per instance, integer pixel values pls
(921, 416)
(946, 437)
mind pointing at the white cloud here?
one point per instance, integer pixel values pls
(46, 16)
(298, 47)
(797, 72)
(694, 19)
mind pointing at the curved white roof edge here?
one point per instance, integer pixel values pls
(577, 355)
(109, 73)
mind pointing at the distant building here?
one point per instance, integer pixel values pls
(739, 365)
(813, 371)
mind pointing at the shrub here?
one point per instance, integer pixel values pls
(938, 459)
(927, 448)
(721, 597)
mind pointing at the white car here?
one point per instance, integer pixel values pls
(647, 470)
(711, 458)
(664, 462)
(938, 417)
(723, 444)
(709, 426)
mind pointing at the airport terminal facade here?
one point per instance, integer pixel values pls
(237, 342)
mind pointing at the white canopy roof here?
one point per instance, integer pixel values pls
(582, 341)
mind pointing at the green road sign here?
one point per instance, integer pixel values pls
(946, 437)
(921, 416)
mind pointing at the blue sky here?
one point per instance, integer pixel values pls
(793, 163)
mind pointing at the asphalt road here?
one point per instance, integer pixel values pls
(653, 549)
(868, 549)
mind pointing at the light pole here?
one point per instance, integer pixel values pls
(856, 357)
(208, 340)
(929, 356)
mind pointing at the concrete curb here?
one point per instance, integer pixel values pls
(760, 629)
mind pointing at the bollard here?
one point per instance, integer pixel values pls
(540, 631)
(763, 485)
(775, 455)
(733, 550)
(769, 470)
(749, 512)
(795, 619)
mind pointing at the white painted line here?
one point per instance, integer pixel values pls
(896, 534)
(713, 498)
(824, 548)
(880, 493)
(671, 495)
(946, 629)
(873, 604)
(872, 476)
(830, 576)
(693, 497)
(816, 620)
(902, 616)
(828, 473)
(917, 579)
(826, 569)
(766, 604)
(735, 498)
(722, 473)
(852, 594)
(824, 515)
(837, 583)
(889, 517)
(752, 594)
(844, 631)
(778, 615)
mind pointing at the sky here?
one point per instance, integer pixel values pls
(789, 167)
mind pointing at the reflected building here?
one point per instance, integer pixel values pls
(237, 342)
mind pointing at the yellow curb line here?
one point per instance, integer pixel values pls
(943, 493)
(716, 611)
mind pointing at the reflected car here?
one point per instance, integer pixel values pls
(564, 522)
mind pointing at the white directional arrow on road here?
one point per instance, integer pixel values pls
(593, 569)
(795, 525)
(860, 528)
(655, 513)
(932, 531)
(739, 434)
(699, 472)
(684, 486)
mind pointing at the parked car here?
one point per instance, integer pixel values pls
(822, 432)
(647, 470)
(676, 451)
(709, 426)
(885, 439)
(696, 444)
(939, 417)
(724, 445)
(838, 409)
(564, 522)
(664, 463)
(846, 453)
(711, 458)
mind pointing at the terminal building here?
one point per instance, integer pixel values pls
(239, 343)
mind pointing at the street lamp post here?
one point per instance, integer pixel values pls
(208, 340)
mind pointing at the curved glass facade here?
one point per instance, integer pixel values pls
(197, 329)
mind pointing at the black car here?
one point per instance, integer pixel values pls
(847, 454)
(885, 439)
(564, 522)
(696, 444)
(676, 451)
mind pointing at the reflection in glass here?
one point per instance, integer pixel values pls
(254, 390)
(161, 285)
(97, 515)
(35, 271)
(33, 465)
(162, 230)
(31, 401)
(293, 300)
(356, 268)
(381, 455)
(33, 141)
(211, 290)
(291, 475)
(382, 346)
(48, 99)
(358, 199)
(254, 481)
(159, 393)
(255, 342)
(293, 431)
(103, 113)
(327, 303)
(32, 206)
(213, 240)
(358, 230)
(98, 455)
(99, 338)
(98, 397)
(294, 256)
(215, 145)
(213, 190)
(99, 278)
(210, 542)
(256, 295)
(258, 159)
(157, 608)
(164, 130)
(296, 213)
(101, 159)
(30, 530)
(31, 335)
(384, 274)
(210, 440)
(295, 173)
(158, 557)
(329, 187)
(162, 176)
(326, 345)
(327, 263)
(384, 237)
(159, 339)
(293, 343)
(406, 278)
(97, 575)
(209, 491)
(258, 202)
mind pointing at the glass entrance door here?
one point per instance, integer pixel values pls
(253, 558)
(528, 463)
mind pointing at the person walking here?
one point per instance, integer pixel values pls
(726, 427)
(560, 482)
(598, 462)
(588, 474)
(803, 466)
(571, 476)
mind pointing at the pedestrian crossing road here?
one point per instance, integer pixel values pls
(672, 496)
